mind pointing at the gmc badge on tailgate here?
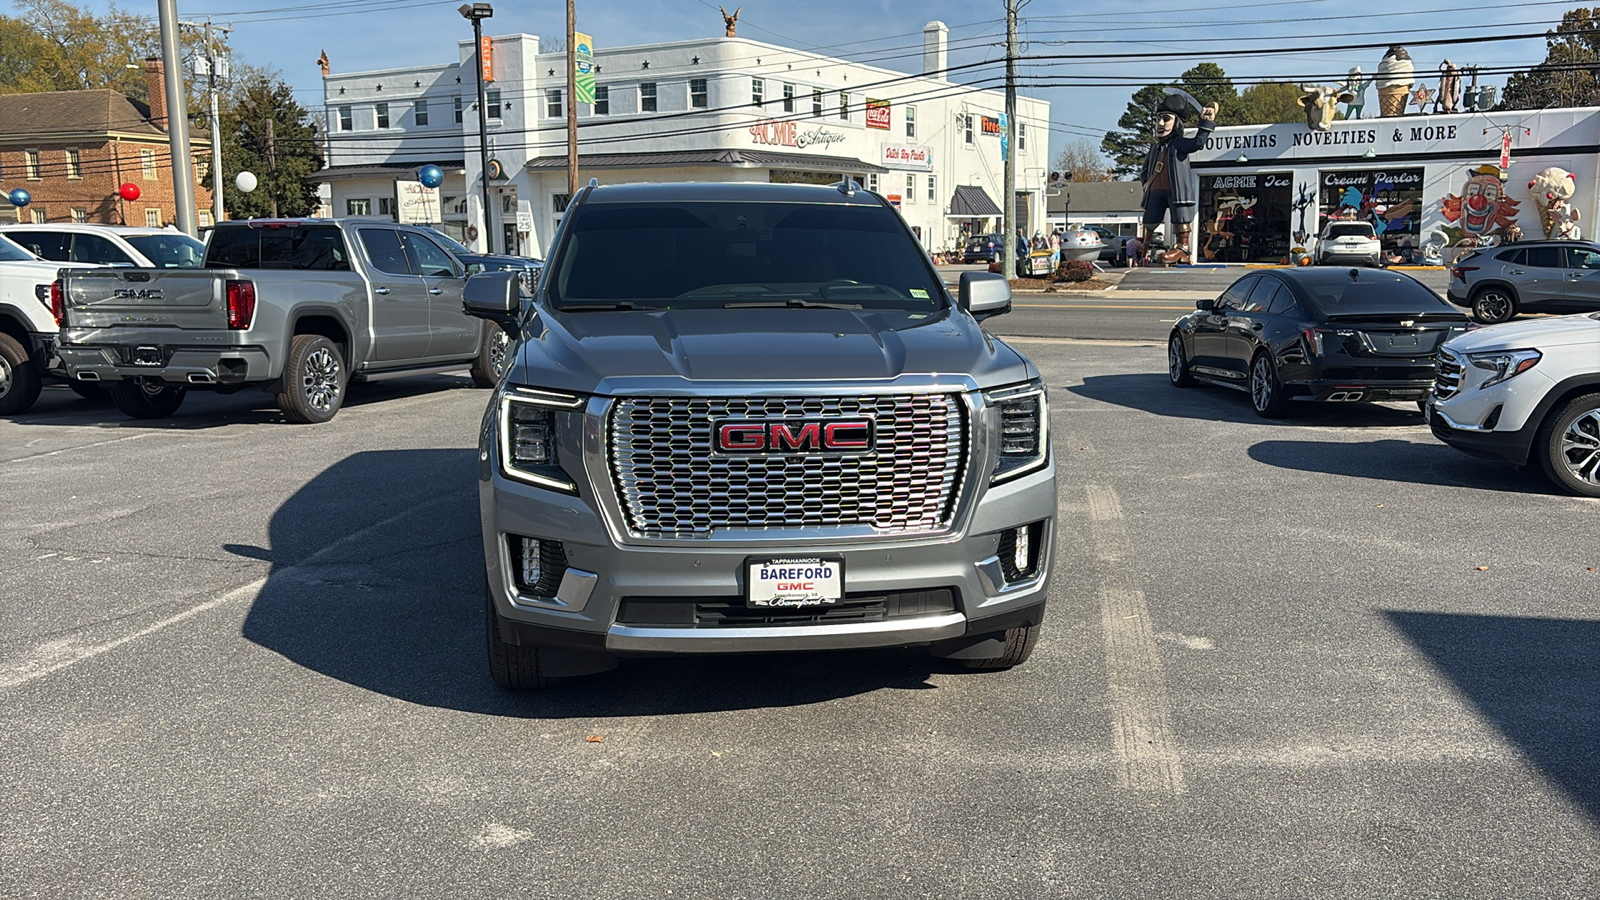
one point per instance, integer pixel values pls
(141, 294)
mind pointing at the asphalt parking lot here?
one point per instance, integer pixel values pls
(1322, 657)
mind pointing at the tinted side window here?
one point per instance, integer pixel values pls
(244, 247)
(1277, 301)
(1234, 297)
(92, 248)
(1546, 257)
(51, 245)
(1582, 258)
(1261, 297)
(383, 249)
(428, 258)
(1515, 256)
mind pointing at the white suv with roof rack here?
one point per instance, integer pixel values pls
(108, 245)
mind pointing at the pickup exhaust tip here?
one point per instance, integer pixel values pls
(201, 378)
(88, 376)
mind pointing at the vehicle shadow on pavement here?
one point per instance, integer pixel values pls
(1398, 460)
(377, 581)
(1153, 393)
(1536, 680)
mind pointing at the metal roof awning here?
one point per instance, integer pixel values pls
(692, 158)
(970, 202)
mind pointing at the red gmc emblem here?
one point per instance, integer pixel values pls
(795, 436)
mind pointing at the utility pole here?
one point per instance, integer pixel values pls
(272, 168)
(215, 69)
(177, 118)
(477, 12)
(1008, 203)
(572, 101)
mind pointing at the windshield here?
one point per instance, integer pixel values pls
(450, 243)
(169, 251)
(10, 252)
(712, 255)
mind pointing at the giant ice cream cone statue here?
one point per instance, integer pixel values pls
(1394, 81)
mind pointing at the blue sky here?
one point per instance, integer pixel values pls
(376, 34)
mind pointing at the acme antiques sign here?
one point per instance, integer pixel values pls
(788, 134)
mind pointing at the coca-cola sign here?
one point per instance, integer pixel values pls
(878, 114)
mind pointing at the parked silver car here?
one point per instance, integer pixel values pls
(1496, 283)
(1344, 243)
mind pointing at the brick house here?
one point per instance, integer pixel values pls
(72, 149)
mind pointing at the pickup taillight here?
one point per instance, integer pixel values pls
(241, 304)
(58, 303)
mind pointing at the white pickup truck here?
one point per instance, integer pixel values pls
(27, 328)
(1525, 392)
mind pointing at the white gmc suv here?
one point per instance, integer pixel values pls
(1523, 392)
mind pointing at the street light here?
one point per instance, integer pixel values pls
(477, 12)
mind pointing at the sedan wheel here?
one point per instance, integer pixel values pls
(1177, 363)
(1492, 306)
(1266, 394)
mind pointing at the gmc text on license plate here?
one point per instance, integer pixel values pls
(801, 581)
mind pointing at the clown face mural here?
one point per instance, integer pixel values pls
(1482, 209)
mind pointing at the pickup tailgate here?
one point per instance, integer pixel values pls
(187, 299)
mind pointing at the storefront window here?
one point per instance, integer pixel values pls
(1245, 218)
(1391, 200)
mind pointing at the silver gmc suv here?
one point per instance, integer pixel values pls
(747, 418)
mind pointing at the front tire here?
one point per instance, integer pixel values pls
(19, 378)
(314, 380)
(146, 399)
(1493, 305)
(514, 667)
(1019, 644)
(1266, 392)
(1569, 446)
(1178, 364)
(494, 357)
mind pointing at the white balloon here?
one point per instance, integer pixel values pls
(246, 181)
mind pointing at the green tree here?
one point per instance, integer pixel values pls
(1137, 127)
(26, 59)
(85, 51)
(1268, 103)
(1573, 43)
(281, 162)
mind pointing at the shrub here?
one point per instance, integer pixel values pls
(1074, 270)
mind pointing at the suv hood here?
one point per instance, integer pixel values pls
(1532, 333)
(634, 351)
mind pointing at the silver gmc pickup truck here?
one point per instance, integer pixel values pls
(770, 429)
(298, 307)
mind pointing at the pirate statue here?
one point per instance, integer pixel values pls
(1167, 187)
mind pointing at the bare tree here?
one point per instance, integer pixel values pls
(553, 44)
(1084, 161)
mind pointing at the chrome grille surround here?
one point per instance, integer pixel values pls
(670, 484)
(1448, 373)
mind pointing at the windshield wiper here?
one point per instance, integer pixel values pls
(791, 302)
(604, 307)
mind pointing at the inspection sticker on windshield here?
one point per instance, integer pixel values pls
(919, 293)
(810, 581)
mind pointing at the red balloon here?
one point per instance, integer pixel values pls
(129, 191)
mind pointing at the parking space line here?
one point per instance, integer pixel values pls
(1141, 721)
(49, 453)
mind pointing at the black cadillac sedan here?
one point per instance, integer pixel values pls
(1315, 334)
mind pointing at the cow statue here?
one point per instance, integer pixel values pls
(1321, 103)
(1552, 192)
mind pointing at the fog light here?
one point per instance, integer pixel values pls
(1020, 556)
(531, 569)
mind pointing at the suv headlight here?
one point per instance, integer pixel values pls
(1504, 364)
(529, 420)
(1022, 441)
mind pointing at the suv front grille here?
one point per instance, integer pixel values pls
(724, 612)
(673, 484)
(1447, 374)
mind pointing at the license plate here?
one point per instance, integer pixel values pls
(795, 582)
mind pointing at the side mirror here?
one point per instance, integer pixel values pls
(984, 294)
(496, 296)
(1205, 305)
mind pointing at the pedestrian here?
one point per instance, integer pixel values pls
(1135, 248)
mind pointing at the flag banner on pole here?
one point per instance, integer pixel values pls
(583, 61)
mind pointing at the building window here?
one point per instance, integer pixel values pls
(698, 97)
(385, 206)
(758, 90)
(74, 164)
(81, 214)
(30, 162)
(558, 203)
(1022, 137)
(457, 109)
(966, 127)
(39, 215)
(494, 104)
(788, 98)
(816, 104)
(152, 218)
(419, 111)
(911, 121)
(602, 100)
(933, 193)
(358, 207)
(205, 218)
(647, 96)
(202, 165)
(346, 122)
(844, 106)
(147, 163)
(872, 182)
(911, 189)
(382, 110)
(552, 104)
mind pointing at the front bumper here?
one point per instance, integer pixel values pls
(174, 364)
(1514, 447)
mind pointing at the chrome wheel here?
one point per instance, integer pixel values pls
(1174, 359)
(5, 376)
(1580, 448)
(1261, 383)
(1491, 307)
(319, 379)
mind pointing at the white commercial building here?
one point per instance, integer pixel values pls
(722, 109)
